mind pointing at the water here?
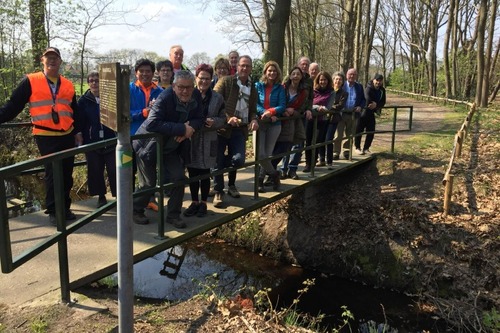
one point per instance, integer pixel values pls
(215, 267)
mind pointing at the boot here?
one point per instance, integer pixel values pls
(276, 181)
(261, 185)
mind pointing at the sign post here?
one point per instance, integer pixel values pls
(115, 106)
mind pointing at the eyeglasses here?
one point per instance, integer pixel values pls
(184, 88)
(94, 81)
(203, 78)
(55, 115)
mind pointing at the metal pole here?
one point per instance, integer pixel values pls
(124, 213)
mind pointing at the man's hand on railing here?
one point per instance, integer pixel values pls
(254, 125)
(234, 121)
(78, 139)
(309, 115)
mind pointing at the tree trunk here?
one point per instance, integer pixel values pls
(39, 39)
(489, 52)
(481, 27)
(276, 31)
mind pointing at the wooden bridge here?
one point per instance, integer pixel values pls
(92, 249)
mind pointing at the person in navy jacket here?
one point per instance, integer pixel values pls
(176, 114)
(94, 131)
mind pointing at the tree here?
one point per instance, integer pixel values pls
(39, 38)
(198, 58)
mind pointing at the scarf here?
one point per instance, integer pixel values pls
(243, 98)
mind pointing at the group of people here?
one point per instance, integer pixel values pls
(204, 119)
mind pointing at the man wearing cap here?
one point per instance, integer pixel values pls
(375, 101)
(53, 111)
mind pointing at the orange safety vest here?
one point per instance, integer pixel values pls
(42, 102)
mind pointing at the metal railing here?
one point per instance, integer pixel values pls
(10, 263)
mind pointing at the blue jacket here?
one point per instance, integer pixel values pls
(138, 102)
(277, 100)
(360, 95)
(91, 120)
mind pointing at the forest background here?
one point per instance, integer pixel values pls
(446, 48)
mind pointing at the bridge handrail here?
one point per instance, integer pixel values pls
(8, 263)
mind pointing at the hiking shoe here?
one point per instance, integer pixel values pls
(233, 191)
(218, 202)
(321, 164)
(202, 209)
(101, 201)
(292, 173)
(153, 205)
(335, 156)
(192, 209)
(140, 218)
(177, 222)
(360, 152)
(52, 219)
(367, 151)
(70, 216)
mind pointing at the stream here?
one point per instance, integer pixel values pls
(225, 270)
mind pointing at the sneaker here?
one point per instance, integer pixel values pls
(346, 154)
(192, 209)
(367, 151)
(218, 202)
(330, 166)
(360, 152)
(321, 164)
(233, 191)
(202, 210)
(140, 218)
(335, 156)
(176, 222)
(307, 169)
(292, 173)
(153, 205)
(101, 201)
(70, 216)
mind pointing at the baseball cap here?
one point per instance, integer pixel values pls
(52, 50)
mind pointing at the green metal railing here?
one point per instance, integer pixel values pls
(59, 237)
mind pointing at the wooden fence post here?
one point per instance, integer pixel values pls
(459, 139)
(447, 194)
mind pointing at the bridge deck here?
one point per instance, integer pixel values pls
(93, 248)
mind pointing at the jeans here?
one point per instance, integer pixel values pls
(268, 134)
(330, 133)
(235, 145)
(365, 122)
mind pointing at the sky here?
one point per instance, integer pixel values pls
(176, 22)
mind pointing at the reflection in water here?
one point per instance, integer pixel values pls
(237, 268)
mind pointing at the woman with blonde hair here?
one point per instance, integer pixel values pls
(271, 104)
